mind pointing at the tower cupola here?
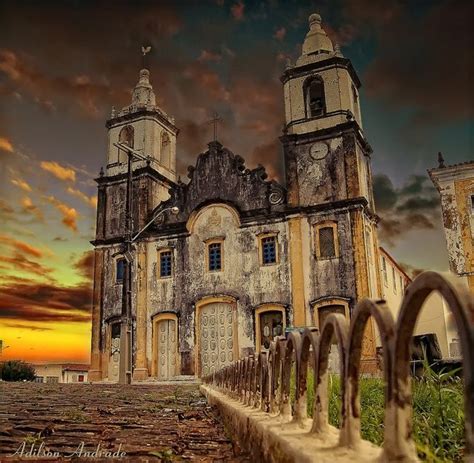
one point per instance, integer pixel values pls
(143, 93)
(317, 45)
(322, 88)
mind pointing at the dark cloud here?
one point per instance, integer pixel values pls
(78, 37)
(425, 63)
(414, 206)
(384, 192)
(39, 302)
(42, 88)
(85, 265)
(269, 155)
(21, 263)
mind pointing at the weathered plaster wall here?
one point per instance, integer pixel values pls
(456, 186)
(333, 277)
(242, 276)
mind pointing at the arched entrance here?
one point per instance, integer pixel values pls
(270, 321)
(322, 308)
(216, 330)
(165, 346)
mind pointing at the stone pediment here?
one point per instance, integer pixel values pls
(221, 176)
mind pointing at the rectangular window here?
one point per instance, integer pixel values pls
(394, 281)
(115, 331)
(401, 285)
(384, 271)
(165, 264)
(269, 250)
(215, 257)
(327, 248)
(472, 204)
(80, 378)
(120, 271)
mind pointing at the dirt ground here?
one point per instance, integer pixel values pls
(136, 423)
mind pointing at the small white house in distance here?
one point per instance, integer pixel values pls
(61, 372)
(434, 317)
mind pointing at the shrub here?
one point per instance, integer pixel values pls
(16, 370)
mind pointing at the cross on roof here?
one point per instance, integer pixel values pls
(215, 120)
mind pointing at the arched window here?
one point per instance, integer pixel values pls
(126, 136)
(165, 149)
(355, 99)
(314, 94)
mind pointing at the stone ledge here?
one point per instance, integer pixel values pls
(273, 439)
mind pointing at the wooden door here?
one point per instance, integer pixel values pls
(114, 359)
(216, 337)
(271, 325)
(167, 349)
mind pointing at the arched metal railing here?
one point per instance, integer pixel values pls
(263, 382)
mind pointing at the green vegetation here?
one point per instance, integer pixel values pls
(166, 456)
(16, 370)
(438, 412)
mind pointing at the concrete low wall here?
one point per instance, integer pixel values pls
(271, 438)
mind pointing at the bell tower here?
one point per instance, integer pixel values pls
(146, 128)
(326, 155)
(328, 176)
(150, 132)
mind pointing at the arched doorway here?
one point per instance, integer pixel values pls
(322, 308)
(216, 332)
(270, 321)
(165, 346)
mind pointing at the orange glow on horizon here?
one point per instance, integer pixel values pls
(61, 342)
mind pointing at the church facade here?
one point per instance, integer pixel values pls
(245, 258)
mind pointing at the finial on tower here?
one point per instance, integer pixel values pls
(315, 21)
(441, 161)
(317, 45)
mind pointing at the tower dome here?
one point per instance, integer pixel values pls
(317, 45)
(143, 93)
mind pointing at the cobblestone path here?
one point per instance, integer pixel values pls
(169, 423)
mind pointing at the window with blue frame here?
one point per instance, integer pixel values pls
(120, 270)
(215, 257)
(165, 264)
(269, 253)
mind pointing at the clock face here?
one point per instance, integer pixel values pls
(318, 151)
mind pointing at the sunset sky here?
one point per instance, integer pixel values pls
(64, 64)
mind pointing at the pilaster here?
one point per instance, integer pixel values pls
(140, 372)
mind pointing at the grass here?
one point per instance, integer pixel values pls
(438, 413)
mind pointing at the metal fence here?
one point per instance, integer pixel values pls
(263, 382)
